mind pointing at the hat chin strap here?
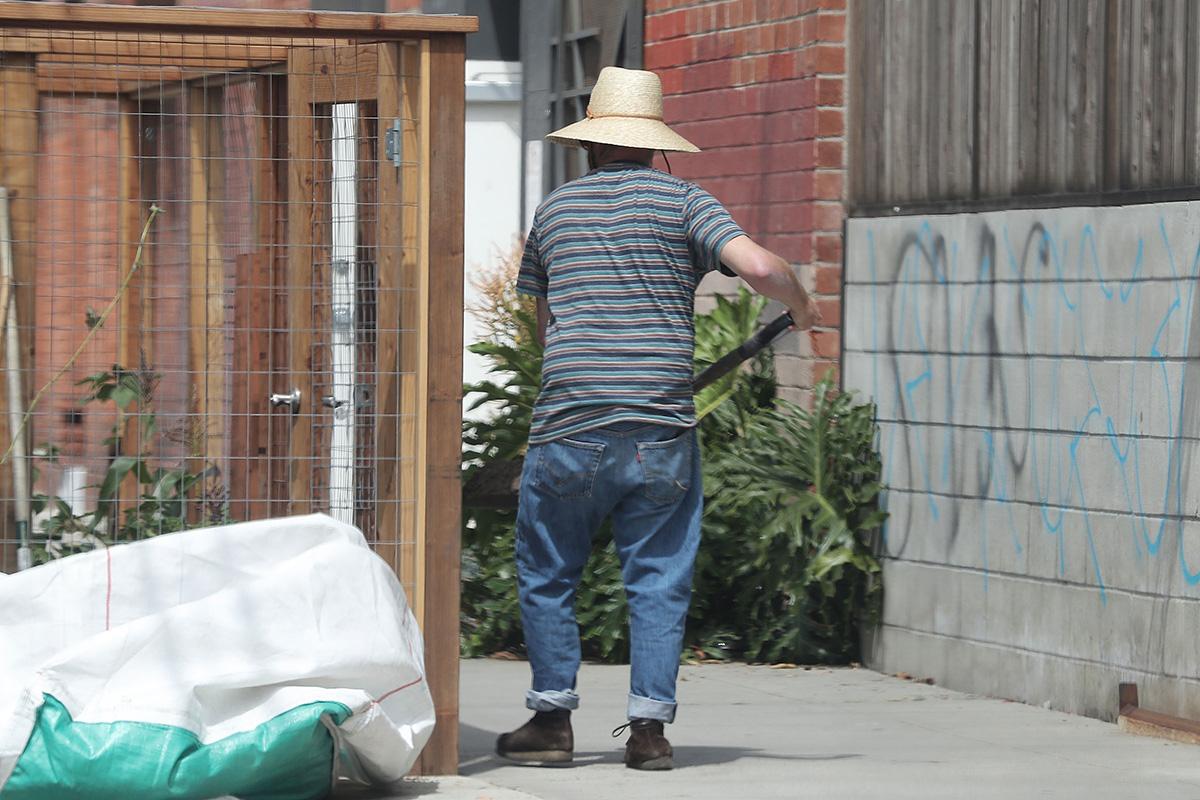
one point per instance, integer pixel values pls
(664, 155)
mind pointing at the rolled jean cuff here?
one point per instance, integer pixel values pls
(550, 701)
(645, 708)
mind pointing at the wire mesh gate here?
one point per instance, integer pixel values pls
(234, 257)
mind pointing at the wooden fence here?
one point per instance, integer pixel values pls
(973, 100)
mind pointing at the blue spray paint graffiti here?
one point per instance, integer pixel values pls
(1047, 296)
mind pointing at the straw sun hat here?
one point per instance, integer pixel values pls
(625, 109)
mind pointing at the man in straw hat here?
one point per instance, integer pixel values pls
(614, 259)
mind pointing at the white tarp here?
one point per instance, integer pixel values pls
(217, 631)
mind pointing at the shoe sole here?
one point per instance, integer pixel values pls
(539, 758)
(653, 764)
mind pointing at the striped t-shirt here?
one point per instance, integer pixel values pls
(617, 254)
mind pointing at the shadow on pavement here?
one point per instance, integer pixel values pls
(476, 747)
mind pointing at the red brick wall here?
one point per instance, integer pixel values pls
(759, 86)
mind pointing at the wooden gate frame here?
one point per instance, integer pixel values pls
(258, 38)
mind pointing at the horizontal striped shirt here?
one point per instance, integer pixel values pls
(617, 254)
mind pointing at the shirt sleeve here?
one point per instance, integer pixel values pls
(709, 228)
(532, 279)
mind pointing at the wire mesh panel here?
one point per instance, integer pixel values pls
(217, 295)
(354, 262)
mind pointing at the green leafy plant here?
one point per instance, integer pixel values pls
(721, 330)
(808, 482)
(784, 572)
(162, 496)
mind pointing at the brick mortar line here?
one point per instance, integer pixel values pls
(817, 13)
(695, 4)
(810, 43)
(715, 3)
(833, 12)
(800, 169)
(754, 54)
(761, 116)
(748, 56)
(795, 48)
(743, 86)
(754, 115)
(745, 56)
(749, 85)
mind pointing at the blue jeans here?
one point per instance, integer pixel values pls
(647, 477)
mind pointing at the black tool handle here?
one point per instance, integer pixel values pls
(747, 349)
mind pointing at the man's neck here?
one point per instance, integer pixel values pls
(612, 161)
(604, 155)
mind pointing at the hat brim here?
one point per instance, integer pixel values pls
(649, 134)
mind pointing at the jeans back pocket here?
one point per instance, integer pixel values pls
(567, 468)
(667, 467)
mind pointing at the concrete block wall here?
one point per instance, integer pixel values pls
(760, 88)
(1037, 382)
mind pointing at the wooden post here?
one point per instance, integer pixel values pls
(414, 307)
(254, 461)
(442, 443)
(417, 342)
(206, 280)
(302, 206)
(275, 103)
(18, 173)
(249, 464)
(391, 267)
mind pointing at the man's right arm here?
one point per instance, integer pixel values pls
(770, 275)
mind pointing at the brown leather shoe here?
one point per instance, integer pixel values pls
(647, 747)
(546, 739)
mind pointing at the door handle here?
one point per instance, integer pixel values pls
(292, 400)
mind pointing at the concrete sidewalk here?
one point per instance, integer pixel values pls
(758, 733)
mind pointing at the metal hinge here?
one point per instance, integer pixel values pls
(391, 143)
